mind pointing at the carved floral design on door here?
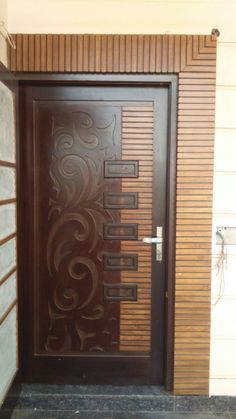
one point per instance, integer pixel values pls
(78, 319)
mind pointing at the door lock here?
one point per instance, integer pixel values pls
(158, 240)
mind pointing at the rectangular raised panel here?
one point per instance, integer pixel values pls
(118, 292)
(7, 257)
(120, 169)
(7, 183)
(120, 262)
(120, 231)
(8, 346)
(7, 293)
(7, 124)
(120, 200)
(7, 220)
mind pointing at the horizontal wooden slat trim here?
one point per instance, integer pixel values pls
(6, 239)
(10, 308)
(5, 278)
(7, 164)
(8, 201)
(134, 120)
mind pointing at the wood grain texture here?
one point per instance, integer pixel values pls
(193, 58)
(113, 53)
(138, 120)
(195, 147)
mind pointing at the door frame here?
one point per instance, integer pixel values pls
(169, 81)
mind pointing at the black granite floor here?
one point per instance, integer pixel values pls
(111, 402)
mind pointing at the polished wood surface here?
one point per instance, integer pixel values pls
(82, 281)
(137, 140)
(113, 53)
(193, 59)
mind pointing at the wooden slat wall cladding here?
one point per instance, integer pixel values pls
(193, 58)
(113, 53)
(137, 143)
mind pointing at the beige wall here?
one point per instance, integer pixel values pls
(123, 16)
(171, 16)
(223, 325)
(3, 44)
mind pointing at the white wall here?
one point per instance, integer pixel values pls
(223, 332)
(3, 44)
(171, 16)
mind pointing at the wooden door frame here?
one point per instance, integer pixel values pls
(170, 81)
(193, 59)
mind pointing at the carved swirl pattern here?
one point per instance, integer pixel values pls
(78, 320)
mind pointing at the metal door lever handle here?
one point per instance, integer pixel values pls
(157, 241)
(154, 240)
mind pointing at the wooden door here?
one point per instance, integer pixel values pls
(95, 168)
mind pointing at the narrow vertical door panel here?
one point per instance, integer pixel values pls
(96, 176)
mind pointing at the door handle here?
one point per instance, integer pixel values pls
(158, 240)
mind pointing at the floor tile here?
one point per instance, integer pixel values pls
(92, 389)
(103, 403)
(201, 404)
(52, 414)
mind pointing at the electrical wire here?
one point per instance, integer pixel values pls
(7, 35)
(220, 266)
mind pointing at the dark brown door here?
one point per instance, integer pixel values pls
(94, 185)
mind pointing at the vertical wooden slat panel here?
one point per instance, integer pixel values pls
(116, 53)
(183, 53)
(80, 41)
(195, 47)
(189, 49)
(128, 49)
(171, 54)
(86, 53)
(19, 53)
(194, 59)
(74, 51)
(110, 53)
(43, 52)
(37, 53)
(92, 53)
(122, 40)
(165, 54)
(61, 53)
(158, 53)
(55, 54)
(12, 55)
(68, 53)
(31, 52)
(25, 52)
(152, 54)
(140, 53)
(97, 53)
(134, 53)
(177, 55)
(146, 54)
(104, 54)
(49, 53)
